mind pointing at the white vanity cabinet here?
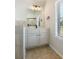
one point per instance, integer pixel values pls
(35, 37)
(43, 38)
(33, 41)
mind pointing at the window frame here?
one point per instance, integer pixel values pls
(57, 16)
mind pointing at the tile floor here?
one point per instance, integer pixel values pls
(43, 52)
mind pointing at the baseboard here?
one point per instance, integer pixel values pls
(56, 51)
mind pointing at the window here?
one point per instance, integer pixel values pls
(59, 18)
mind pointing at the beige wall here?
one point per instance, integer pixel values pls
(55, 42)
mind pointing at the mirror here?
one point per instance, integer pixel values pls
(33, 21)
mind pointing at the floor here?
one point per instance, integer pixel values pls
(43, 52)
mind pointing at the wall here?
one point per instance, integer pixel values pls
(18, 42)
(47, 13)
(22, 11)
(55, 43)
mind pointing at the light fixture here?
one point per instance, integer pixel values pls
(36, 7)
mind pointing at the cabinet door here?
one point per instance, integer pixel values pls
(33, 41)
(43, 38)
